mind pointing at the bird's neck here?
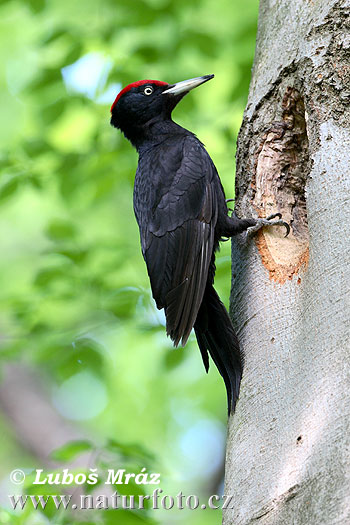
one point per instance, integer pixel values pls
(152, 133)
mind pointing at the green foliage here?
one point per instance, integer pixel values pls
(71, 449)
(75, 302)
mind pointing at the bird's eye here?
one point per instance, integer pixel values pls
(148, 90)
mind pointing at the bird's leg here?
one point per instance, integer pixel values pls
(234, 225)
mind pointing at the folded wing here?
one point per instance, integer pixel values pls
(178, 236)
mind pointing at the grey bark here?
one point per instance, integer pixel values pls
(288, 442)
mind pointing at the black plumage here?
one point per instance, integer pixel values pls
(182, 214)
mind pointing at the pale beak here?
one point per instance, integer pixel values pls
(186, 85)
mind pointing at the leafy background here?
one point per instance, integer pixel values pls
(77, 318)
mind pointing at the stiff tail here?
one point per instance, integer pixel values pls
(215, 334)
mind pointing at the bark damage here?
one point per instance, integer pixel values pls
(273, 156)
(280, 166)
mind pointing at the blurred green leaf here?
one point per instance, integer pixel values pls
(48, 275)
(123, 301)
(36, 5)
(9, 188)
(71, 450)
(173, 358)
(129, 450)
(60, 229)
(82, 353)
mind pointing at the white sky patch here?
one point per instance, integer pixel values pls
(88, 76)
(109, 94)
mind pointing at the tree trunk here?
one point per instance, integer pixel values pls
(289, 440)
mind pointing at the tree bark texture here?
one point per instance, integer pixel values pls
(288, 450)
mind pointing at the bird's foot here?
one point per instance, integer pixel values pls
(260, 223)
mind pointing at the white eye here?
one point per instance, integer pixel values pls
(148, 90)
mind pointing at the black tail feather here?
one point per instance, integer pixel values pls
(215, 334)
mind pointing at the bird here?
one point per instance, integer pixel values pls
(182, 213)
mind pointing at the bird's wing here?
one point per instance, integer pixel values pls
(178, 239)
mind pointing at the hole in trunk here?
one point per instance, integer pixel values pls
(282, 164)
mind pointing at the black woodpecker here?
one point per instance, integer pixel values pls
(182, 214)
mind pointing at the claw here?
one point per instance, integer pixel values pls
(287, 227)
(280, 223)
(266, 222)
(279, 215)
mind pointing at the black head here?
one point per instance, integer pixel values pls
(145, 102)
